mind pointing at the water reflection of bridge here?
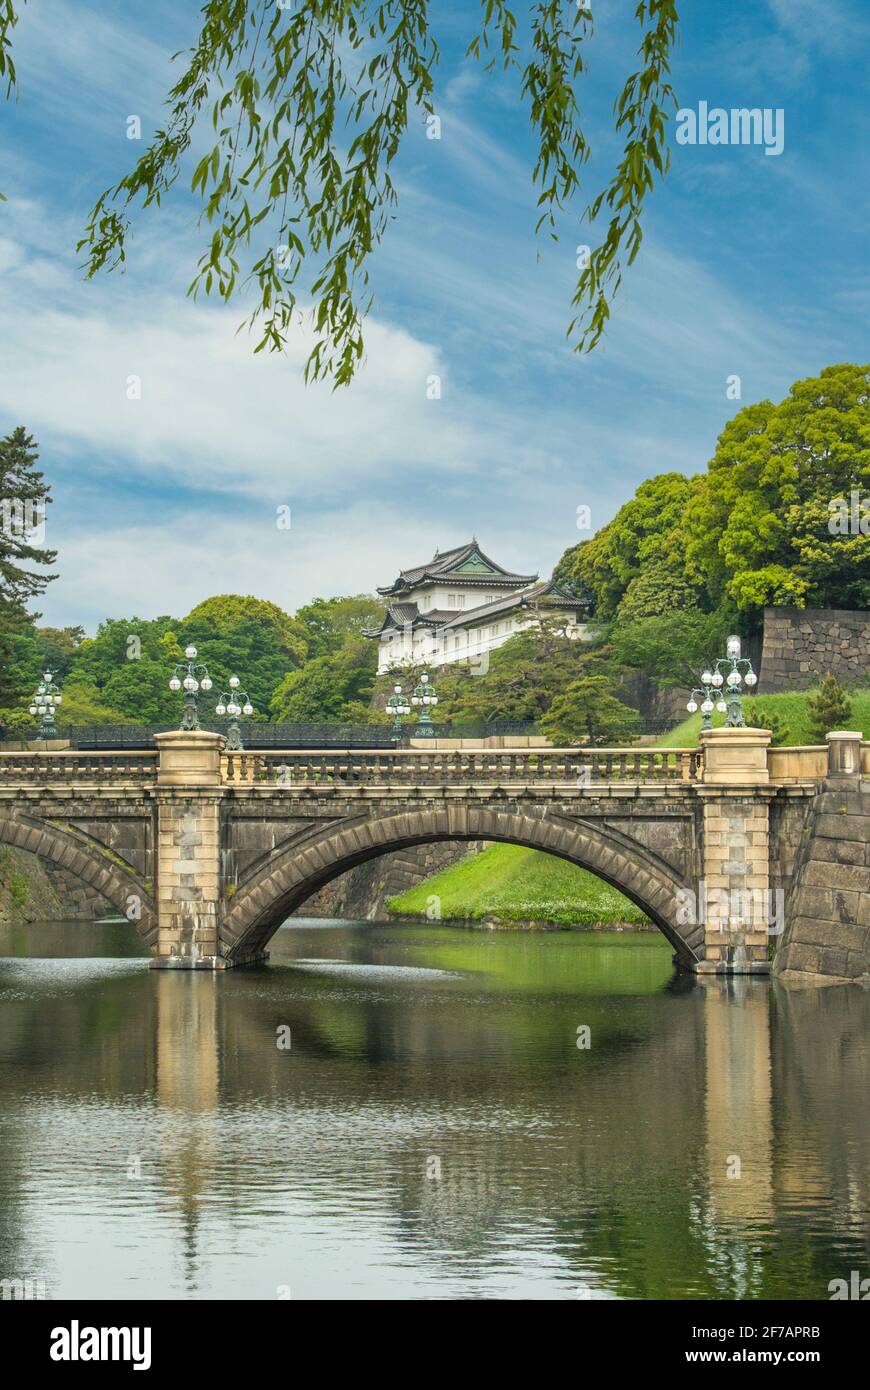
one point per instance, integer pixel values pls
(373, 1089)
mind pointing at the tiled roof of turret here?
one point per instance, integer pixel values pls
(550, 593)
(398, 615)
(446, 564)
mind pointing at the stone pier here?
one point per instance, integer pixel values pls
(735, 892)
(188, 799)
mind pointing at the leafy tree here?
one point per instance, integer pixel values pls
(660, 588)
(761, 530)
(139, 690)
(57, 648)
(83, 704)
(829, 708)
(673, 648)
(328, 689)
(327, 623)
(308, 107)
(225, 612)
(128, 664)
(523, 677)
(587, 712)
(647, 531)
(248, 637)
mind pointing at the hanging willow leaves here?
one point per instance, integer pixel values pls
(309, 101)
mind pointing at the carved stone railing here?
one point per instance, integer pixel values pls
(577, 768)
(71, 767)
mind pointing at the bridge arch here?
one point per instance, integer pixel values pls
(292, 872)
(86, 861)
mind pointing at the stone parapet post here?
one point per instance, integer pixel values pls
(189, 794)
(734, 901)
(844, 756)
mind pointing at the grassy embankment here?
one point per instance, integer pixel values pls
(512, 884)
(792, 709)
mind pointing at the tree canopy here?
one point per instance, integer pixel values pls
(303, 111)
(770, 522)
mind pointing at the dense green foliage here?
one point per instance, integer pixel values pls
(515, 884)
(587, 712)
(672, 648)
(520, 680)
(121, 674)
(330, 689)
(326, 624)
(767, 524)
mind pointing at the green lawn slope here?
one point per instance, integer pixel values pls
(792, 709)
(515, 884)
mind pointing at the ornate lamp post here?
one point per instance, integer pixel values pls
(190, 683)
(708, 701)
(424, 697)
(228, 704)
(730, 673)
(397, 706)
(44, 703)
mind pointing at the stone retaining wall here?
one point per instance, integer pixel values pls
(828, 913)
(802, 644)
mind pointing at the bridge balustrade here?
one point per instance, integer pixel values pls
(72, 766)
(493, 767)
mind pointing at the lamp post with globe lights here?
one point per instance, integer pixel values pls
(424, 698)
(43, 704)
(397, 706)
(723, 684)
(191, 684)
(708, 701)
(228, 705)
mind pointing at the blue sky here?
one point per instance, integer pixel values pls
(752, 265)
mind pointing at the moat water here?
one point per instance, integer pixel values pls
(412, 1111)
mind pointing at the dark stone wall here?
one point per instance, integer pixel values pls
(828, 912)
(802, 644)
(788, 820)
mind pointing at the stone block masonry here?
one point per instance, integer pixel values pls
(802, 644)
(828, 913)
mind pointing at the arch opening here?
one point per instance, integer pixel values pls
(83, 859)
(292, 873)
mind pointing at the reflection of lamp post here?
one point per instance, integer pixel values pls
(396, 706)
(228, 704)
(44, 703)
(190, 684)
(728, 685)
(424, 697)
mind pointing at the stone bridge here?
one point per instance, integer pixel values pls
(732, 849)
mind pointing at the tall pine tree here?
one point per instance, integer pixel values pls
(24, 497)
